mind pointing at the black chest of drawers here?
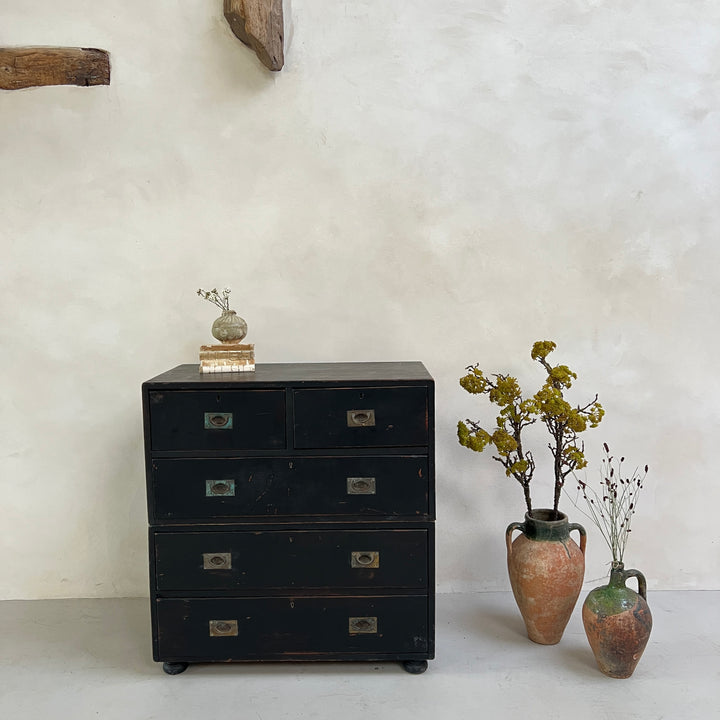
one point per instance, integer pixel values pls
(291, 513)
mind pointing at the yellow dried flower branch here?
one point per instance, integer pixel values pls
(563, 421)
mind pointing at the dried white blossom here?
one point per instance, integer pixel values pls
(222, 300)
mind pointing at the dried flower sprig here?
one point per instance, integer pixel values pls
(612, 509)
(516, 414)
(221, 299)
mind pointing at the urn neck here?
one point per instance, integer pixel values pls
(545, 524)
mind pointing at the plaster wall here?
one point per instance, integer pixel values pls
(447, 182)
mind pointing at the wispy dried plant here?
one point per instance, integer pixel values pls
(612, 508)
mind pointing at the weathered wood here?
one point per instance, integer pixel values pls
(259, 24)
(264, 547)
(24, 67)
(257, 487)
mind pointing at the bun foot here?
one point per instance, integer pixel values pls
(415, 667)
(175, 668)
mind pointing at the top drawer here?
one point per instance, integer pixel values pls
(225, 420)
(361, 417)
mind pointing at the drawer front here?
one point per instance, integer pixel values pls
(361, 417)
(278, 559)
(210, 489)
(285, 628)
(229, 420)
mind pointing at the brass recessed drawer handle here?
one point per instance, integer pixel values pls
(218, 421)
(217, 561)
(219, 488)
(361, 486)
(365, 559)
(361, 418)
(223, 628)
(362, 625)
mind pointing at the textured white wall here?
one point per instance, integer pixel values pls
(443, 181)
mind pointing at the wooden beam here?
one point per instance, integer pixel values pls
(259, 24)
(24, 67)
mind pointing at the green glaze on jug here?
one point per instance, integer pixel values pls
(618, 622)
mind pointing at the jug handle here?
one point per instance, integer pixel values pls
(508, 534)
(642, 584)
(583, 535)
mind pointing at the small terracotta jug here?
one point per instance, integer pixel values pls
(546, 569)
(618, 622)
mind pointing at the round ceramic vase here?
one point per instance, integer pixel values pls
(229, 327)
(618, 622)
(546, 569)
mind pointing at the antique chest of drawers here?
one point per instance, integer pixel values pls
(291, 513)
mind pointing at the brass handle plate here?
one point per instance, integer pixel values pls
(217, 561)
(360, 418)
(219, 488)
(218, 421)
(365, 559)
(361, 486)
(362, 625)
(223, 628)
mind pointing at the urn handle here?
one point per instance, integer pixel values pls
(508, 534)
(583, 534)
(642, 584)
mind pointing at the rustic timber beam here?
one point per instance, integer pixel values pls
(23, 67)
(259, 24)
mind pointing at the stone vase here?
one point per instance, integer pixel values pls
(546, 569)
(618, 622)
(229, 327)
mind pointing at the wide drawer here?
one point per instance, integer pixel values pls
(277, 559)
(286, 628)
(226, 420)
(210, 489)
(361, 417)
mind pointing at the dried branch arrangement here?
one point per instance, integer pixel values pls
(612, 508)
(563, 421)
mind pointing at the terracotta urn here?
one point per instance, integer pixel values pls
(618, 622)
(546, 569)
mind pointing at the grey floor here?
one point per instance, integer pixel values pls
(91, 659)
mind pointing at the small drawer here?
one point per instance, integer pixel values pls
(209, 489)
(361, 417)
(278, 559)
(230, 420)
(285, 628)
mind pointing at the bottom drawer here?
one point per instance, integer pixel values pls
(284, 628)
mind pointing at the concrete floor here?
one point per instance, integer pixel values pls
(91, 659)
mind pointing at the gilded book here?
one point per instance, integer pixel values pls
(227, 358)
